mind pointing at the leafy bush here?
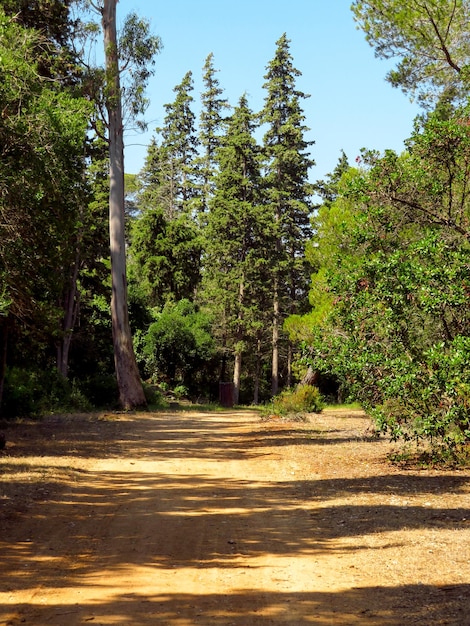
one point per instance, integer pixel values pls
(180, 391)
(30, 392)
(153, 396)
(430, 400)
(178, 345)
(21, 393)
(101, 390)
(77, 400)
(297, 402)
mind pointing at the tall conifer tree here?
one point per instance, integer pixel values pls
(165, 249)
(211, 124)
(170, 174)
(236, 240)
(287, 164)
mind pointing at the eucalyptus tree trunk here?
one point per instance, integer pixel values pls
(257, 372)
(131, 393)
(237, 366)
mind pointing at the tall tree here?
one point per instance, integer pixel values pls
(42, 138)
(430, 37)
(211, 126)
(287, 164)
(130, 388)
(137, 49)
(170, 176)
(237, 241)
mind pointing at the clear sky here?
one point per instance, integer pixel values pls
(351, 106)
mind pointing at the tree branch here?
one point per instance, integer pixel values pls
(435, 217)
(441, 39)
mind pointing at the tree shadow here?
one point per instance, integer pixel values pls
(422, 605)
(206, 436)
(85, 524)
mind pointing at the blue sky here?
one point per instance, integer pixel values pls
(351, 106)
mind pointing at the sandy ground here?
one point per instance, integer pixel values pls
(186, 518)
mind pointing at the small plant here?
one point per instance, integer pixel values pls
(77, 399)
(180, 391)
(298, 402)
(154, 396)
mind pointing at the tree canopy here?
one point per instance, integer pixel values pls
(429, 39)
(241, 267)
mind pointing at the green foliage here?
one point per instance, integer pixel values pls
(137, 48)
(297, 402)
(34, 393)
(43, 191)
(180, 391)
(178, 345)
(137, 51)
(429, 38)
(164, 257)
(383, 340)
(430, 400)
(237, 239)
(396, 332)
(154, 397)
(211, 129)
(100, 389)
(286, 166)
(170, 178)
(21, 394)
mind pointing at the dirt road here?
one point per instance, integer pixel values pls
(182, 519)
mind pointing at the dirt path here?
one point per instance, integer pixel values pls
(218, 519)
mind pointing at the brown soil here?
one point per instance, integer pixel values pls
(186, 518)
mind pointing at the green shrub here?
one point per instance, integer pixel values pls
(21, 393)
(77, 400)
(153, 396)
(297, 402)
(30, 392)
(178, 346)
(101, 390)
(180, 391)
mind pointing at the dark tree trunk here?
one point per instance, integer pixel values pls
(3, 355)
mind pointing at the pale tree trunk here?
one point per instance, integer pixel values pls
(131, 393)
(257, 373)
(237, 368)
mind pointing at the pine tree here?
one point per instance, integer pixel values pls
(287, 164)
(170, 175)
(237, 237)
(211, 124)
(164, 257)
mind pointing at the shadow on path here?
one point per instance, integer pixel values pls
(81, 527)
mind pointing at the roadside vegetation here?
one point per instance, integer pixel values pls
(238, 268)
